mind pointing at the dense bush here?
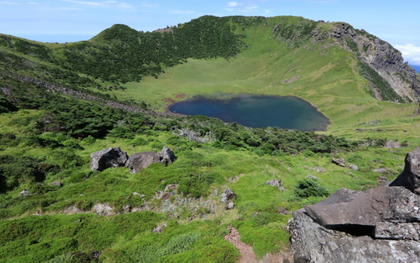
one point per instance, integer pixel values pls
(309, 187)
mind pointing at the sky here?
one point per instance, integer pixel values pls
(397, 22)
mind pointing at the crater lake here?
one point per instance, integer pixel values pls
(257, 111)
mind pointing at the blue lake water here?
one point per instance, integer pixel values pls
(257, 111)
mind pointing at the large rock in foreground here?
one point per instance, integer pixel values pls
(314, 243)
(410, 177)
(378, 225)
(138, 161)
(107, 158)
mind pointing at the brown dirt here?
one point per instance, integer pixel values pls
(248, 255)
(180, 96)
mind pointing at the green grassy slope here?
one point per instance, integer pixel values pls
(47, 137)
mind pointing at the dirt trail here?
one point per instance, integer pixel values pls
(248, 255)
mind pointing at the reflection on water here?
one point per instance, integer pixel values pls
(257, 111)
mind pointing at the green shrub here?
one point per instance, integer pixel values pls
(310, 187)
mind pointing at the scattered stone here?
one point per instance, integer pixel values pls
(277, 183)
(392, 144)
(283, 211)
(230, 206)
(138, 161)
(341, 162)
(381, 170)
(410, 177)
(159, 228)
(24, 193)
(107, 158)
(381, 179)
(103, 209)
(170, 188)
(354, 167)
(96, 254)
(56, 184)
(228, 195)
(319, 169)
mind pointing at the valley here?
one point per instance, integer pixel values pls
(59, 103)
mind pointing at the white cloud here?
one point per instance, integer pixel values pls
(410, 53)
(266, 11)
(125, 5)
(182, 12)
(91, 3)
(33, 3)
(240, 7)
(68, 8)
(144, 4)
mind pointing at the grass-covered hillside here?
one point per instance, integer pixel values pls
(59, 103)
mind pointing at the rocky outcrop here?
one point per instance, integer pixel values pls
(227, 198)
(107, 158)
(410, 177)
(340, 162)
(277, 183)
(379, 225)
(138, 161)
(314, 243)
(167, 156)
(379, 55)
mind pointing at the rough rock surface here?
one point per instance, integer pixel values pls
(392, 144)
(107, 158)
(138, 161)
(379, 55)
(167, 156)
(228, 196)
(410, 177)
(24, 192)
(354, 167)
(277, 183)
(341, 162)
(314, 243)
(56, 184)
(380, 204)
(379, 225)
(103, 209)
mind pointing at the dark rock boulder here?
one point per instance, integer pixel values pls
(410, 177)
(107, 158)
(138, 161)
(340, 162)
(167, 156)
(142, 160)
